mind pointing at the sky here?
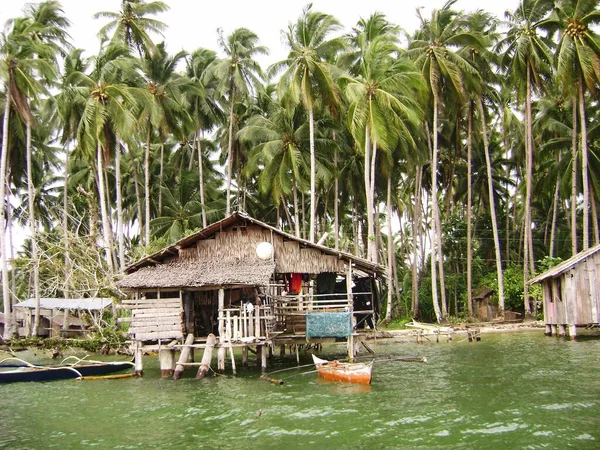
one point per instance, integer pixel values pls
(193, 23)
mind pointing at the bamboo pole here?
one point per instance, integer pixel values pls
(207, 356)
(185, 353)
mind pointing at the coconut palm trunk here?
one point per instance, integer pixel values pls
(528, 182)
(120, 234)
(574, 181)
(106, 230)
(371, 244)
(201, 177)
(147, 186)
(8, 318)
(584, 167)
(469, 211)
(32, 231)
(313, 173)
(488, 163)
(336, 190)
(390, 250)
(416, 228)
(435, 247)
(230, 151)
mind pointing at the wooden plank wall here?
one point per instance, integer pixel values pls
(154, 319)
(574, 296)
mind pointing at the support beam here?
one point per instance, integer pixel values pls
(572, 332)
(207, 356)
(548, 331)
(183, 358)
(263, 359)
(221, 352)
(138, 359)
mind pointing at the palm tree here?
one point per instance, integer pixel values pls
(277, 155)
(382, 107)
(527, 57)
(433, 49)
(307, 76)
(165, 112)
(578, 64)
(110, 107)
(239, 74)
(204, 109)
(131, 26)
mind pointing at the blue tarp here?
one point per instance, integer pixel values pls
(328, 324)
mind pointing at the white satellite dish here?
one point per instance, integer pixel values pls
(264, 250)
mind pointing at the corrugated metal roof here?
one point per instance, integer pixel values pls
(565, 265)
(92, 304)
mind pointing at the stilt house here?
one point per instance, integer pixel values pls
(571, 292)
(249, 284)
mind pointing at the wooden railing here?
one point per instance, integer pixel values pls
(245, 324)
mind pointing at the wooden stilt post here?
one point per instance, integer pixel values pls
(245, 355)
(221, 357)
(183, 357)
(555, 329)
(232, 358)
(166, 356)
(572, 332)
(351, 310)
(207, 356)
(563, 330)
(282, 350)
(297, 355)
(548, 331)
(263, 359)
(139, 363)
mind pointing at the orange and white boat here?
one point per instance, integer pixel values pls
(347, 372)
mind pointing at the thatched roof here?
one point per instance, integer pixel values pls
(185, 273)
(565, 265)
(212, 258)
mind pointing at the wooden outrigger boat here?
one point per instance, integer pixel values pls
(347, 372)
(24, 371)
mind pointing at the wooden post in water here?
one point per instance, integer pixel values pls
(572, 332)
(263, 359)
(139, 363)
(207, 356)
(221, 349)
(166, 356)
(563, 330)
(245, 355)
(555, 329)
(183, 357)
(351, 310)
(221, 357)
(548, 331)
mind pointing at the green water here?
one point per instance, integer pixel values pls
(520, 390)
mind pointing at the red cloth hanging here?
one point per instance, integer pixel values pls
(296, 283)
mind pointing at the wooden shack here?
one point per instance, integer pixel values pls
(250, 285)
(571, 293)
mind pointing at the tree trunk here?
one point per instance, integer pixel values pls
(120, 235)
(373, 244)
(584, 167)
(435, 247)
(416, 228)
(106, 230)
(313, 173)
(160, 177)
(229, 151)
(371, 248)
(528, 181)
(469, 211)
(574, 181)
(138, 196)
(390, 250)
(8, 318)
(33, 232)
(595, 219)
(555, 212)
(201, 177)
(488, 163)
(296, 220)
(336, 189)
(147, 186)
